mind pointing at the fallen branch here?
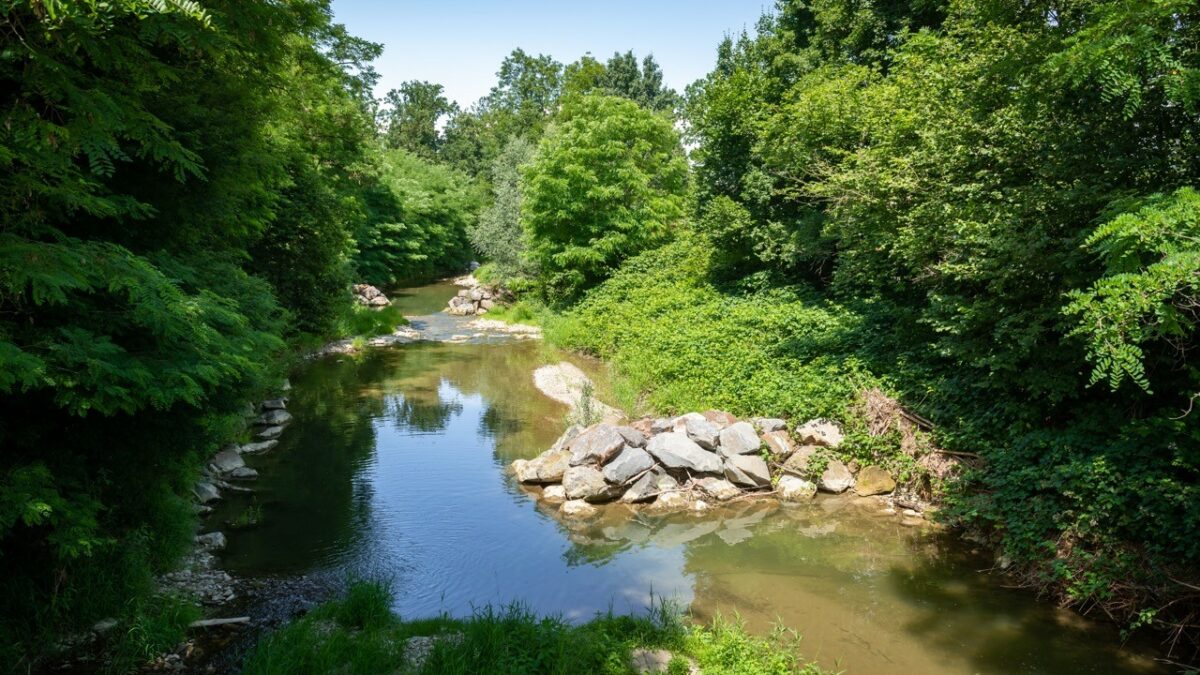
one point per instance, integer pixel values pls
(210, 623)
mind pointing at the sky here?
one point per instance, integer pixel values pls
(460, 43)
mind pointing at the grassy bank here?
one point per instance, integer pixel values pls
(359, 634)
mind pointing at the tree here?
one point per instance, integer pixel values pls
(498, 236)
(412, 114)
(608, 181)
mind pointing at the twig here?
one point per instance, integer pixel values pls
(210, 623)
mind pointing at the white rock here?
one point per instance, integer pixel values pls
(836, 478)
(795, 489)
(577, 508)
(819, 432)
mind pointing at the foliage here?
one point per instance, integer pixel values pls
(498, 236)
(411, 117)
(359, 635)
(418, 216)
(607, 182)
(621, 76)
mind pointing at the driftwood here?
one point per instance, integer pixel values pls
(212, 623)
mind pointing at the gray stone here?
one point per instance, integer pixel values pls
(819, 432)
(739, 439)
(873, 480)
(797, 462)
(627, 465)
(243, 473)
(641, 490)
(778, 443)
(578, 509)
(587, 483)
(676, 451)
(206, 492)
(213, 541)
(836, 478)
(632, 436)
(569, 435)
(379, 301)
(275, 404)
(670, 501)
(769, 424)
(706, 434)
(487, 304)
(662, 424)
(748, 470)
(257, 448)
(795, 489)
(227, 460)
(719, 489)
(596, 445)
(268, 433)
(274, 418)
(664, 481)
(547, 467)
(680, 423)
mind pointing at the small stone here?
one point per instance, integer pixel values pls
(273, 418)
(671, 501)
(257, 448)
(719, 489)
(778, 443)
(227, 460)
(797, 462)
(578, 509)
(873, 480)
(795, 489)
(768, 424)
(213, 541)
(554, 494)
(739, 439)
(662, 425)
(243, 473)
(547, 467)
(206, 492)
(269, 433)
(836, 478)
(820, 432)
(569, 435)
(275, 404)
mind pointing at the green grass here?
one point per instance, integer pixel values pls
(360, 321)
(358, 634)
(150, 626)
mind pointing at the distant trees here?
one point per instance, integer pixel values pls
(608, 181)
(499, 235)
(411, 115)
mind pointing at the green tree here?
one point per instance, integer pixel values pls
(499, 236)
(608, 181)
(411, 116)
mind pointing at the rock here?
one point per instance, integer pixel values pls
(268, 433)
(286, 385)
(836, 478)
(706, 434)
(104, 625)
(569, 435)
(547, 467)
(680, 423)
(587, 483)
(739, 439)
(778, 443)
(819, 432)
(273, 418)
(275, 404)
(768, 424)
(227, 460)
(243, 473)
(641, 490)
(596, 445)
(664, 481)
(719, 489)
(520, 469)
(676, 451)
(379, 301)
(628, 464)
(652, 661)
(797, 462)
(632, 436)
(213, 541)
(257, 448)
(873, 480)
(578, 508)
(671, 501)
(748, 470)
(554, 494)
(486, 304)
(367, 291)
(643, 426)
(662, 425)
(720, 418)
(206, 492)
(795, 489)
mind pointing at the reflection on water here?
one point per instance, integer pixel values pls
(395, 465)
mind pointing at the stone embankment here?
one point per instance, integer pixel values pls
(476, 298)
(692, 462)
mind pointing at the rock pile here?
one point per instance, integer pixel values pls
(366, 294)
(268, 423)
(476, 298)
(690, 461)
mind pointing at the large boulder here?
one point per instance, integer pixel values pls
(588, 484)
(797, 462)
(547, 467)
(269, 433)
(739, 439)
(227, 460)
(706, 434)
(597, 445)
(836, 478)
(779, 443)
(719, 489)
(633, 437)
(873, 480)
(748, 470)
(206, 492)
(676, 451)
(680, 423)
(795, 489)
(627, 465)
(819, 432)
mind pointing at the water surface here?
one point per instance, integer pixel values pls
(395, 465)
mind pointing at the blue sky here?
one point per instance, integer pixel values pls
(460, 43)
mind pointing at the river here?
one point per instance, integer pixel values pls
(395, 467)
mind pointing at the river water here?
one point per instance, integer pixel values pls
(395, 467)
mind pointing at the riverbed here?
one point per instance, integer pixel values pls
(395, 467)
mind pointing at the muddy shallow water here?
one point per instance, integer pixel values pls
(395, 467)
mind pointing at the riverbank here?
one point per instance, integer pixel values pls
(359, 634)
